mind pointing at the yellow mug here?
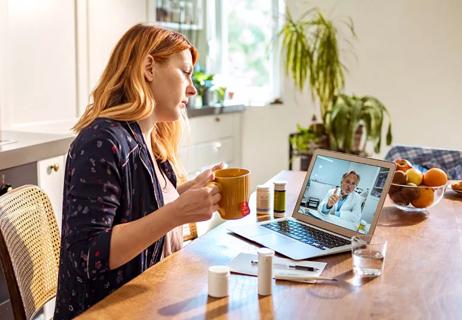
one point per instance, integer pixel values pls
(233, 184)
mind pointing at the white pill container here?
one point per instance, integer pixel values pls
(265, 271)
(218, 281)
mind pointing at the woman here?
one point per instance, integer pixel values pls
(120, 193)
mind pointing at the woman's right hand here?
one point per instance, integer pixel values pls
(197, 204)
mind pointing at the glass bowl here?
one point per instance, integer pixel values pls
(415, 198)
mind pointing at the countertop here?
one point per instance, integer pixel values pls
(18, 148)
(205, 111)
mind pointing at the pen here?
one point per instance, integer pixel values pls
(291, 266)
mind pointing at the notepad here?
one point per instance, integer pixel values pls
(242, 264)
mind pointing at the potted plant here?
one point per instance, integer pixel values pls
(312, 55)
(305, 140)
(350, 117)
(203, 83)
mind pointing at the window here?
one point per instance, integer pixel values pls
(244, 52)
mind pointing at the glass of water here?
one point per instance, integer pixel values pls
(368, 258)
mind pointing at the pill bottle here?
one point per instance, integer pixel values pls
(279, 206)
(265, 271)
(218, 278)
(263, 200)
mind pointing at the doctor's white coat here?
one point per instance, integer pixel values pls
(350, 210)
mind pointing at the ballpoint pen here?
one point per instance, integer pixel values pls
(290, 266)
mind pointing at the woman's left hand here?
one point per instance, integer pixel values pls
(206, 176)
(201, 180)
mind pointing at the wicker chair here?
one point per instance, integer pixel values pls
(29, 249)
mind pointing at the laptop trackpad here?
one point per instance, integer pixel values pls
(288, 247)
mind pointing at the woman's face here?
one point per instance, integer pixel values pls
(349, 184)
(172, 85)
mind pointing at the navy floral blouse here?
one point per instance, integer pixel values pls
(109, 180)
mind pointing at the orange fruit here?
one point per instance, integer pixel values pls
(435, 177)
(425, 198)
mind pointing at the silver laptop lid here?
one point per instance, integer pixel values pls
(360, 186)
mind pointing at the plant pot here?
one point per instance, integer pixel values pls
(304, 153)
(358, 138)
(305, 161)
(208, 98)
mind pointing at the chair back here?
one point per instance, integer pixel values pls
(29, 249)
(191, 232)
(448, 160)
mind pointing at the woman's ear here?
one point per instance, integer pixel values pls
(149, 68)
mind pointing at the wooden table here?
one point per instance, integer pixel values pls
(422, 277)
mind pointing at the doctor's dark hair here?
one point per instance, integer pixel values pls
(346, 174)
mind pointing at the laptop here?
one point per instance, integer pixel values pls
(360, 186)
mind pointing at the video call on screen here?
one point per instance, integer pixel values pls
(354, 191)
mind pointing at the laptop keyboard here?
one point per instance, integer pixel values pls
(306, 234)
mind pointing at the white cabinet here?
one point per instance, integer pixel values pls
(205, 154)
(106, 22)
(52, 55)
(212, 139)
(50, 177)
(39, 62)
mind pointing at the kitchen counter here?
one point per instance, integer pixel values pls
(18, 148)
(206, 111)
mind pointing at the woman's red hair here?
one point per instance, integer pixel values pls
(123, 93)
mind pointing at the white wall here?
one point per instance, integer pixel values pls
(408, 55)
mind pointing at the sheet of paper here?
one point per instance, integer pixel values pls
(242, 264)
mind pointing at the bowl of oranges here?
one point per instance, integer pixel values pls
(414, 190)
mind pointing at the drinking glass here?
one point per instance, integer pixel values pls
(368, 258)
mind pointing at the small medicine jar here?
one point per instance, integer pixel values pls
(263, 200)
(218, 279)
(279, 199)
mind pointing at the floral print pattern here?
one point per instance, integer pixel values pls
(109, 180)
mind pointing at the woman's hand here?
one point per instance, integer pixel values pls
(201, 180)
(196, 204)
(129, 239)
(206, 176)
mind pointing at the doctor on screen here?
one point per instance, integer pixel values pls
(344, 203)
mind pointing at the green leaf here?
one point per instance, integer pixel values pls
(366, 110)
(312, 54)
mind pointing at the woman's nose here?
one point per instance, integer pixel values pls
(191, 90)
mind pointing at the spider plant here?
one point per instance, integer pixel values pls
(310, 45)
(348, 113)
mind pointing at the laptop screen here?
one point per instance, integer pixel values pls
(344, 193)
